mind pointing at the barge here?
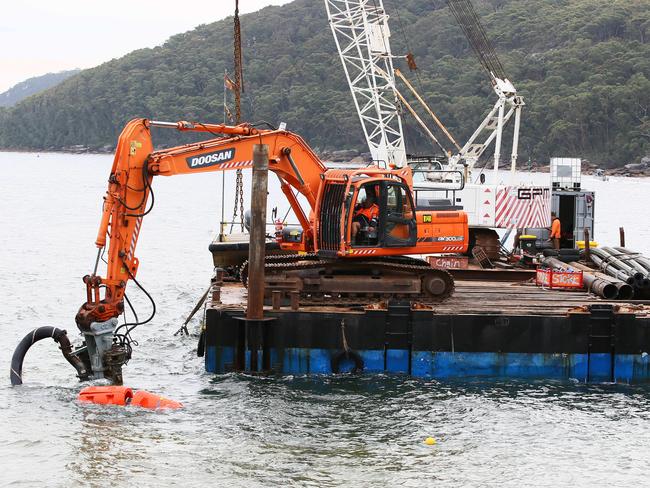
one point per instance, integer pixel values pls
(499, 322)
(488, 328)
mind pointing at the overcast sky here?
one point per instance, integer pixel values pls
(42, 36)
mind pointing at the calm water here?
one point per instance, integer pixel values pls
(243, 431)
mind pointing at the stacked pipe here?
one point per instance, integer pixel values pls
(640, 262)
(603, 286)
(624, 264)
(624, 291)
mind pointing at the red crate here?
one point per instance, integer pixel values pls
(549, 278)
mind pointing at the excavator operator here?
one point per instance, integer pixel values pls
(366, 217)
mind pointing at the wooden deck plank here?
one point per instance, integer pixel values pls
(490, 298)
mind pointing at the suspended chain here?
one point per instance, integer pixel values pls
(240, 197)
(239, 201)
(239, 88)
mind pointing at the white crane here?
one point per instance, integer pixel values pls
(361, 33)
(362, 37)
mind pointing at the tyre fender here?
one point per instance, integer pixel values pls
(350, 354)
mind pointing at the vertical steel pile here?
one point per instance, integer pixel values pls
(253, 331)
(256, 250)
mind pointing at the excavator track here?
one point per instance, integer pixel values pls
(354, 281)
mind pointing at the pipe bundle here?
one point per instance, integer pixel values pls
(624, 264)
(598, 283)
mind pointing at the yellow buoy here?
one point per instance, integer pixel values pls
(429, 441)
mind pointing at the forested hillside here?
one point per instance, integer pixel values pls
(34, 85)
(583, 67)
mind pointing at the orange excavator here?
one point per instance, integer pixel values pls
(342, 251)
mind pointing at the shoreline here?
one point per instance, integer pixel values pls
(590, 171)
(54, 151)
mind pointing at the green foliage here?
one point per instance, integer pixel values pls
(583, 67)
(32, 86)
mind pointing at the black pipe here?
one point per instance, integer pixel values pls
(591, 283)
(628, 260)
(639, 258)
(625, 291)
(607, 268)
(613, 259)
(60, 336)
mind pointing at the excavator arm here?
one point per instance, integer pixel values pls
(126, 202)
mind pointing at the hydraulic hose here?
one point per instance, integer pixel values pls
(60, 336)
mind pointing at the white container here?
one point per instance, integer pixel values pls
(566, 173)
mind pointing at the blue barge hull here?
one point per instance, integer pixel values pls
(598, 342)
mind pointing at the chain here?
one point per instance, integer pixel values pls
(239, 88)
(239, 201)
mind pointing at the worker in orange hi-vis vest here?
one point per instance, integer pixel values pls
(366, 215)
(556, 230)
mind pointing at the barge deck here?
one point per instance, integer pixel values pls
(487, 329)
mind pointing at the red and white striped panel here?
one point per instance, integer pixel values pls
(364, 252)
(523, 207)
(236, 164)
(453, 248)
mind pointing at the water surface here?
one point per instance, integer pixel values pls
(237, 430)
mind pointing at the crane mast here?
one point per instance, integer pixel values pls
(362, 37)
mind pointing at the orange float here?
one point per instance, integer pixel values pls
(146, 399)
(106, 395)
(124, 396)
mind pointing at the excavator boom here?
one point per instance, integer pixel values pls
(129, 190)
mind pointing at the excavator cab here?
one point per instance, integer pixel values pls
(382, 215)
(366, 209)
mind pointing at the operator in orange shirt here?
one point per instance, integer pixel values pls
(556, 230)
(366, 215)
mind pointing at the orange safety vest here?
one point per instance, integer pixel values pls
(370, 213)
(555, 229)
